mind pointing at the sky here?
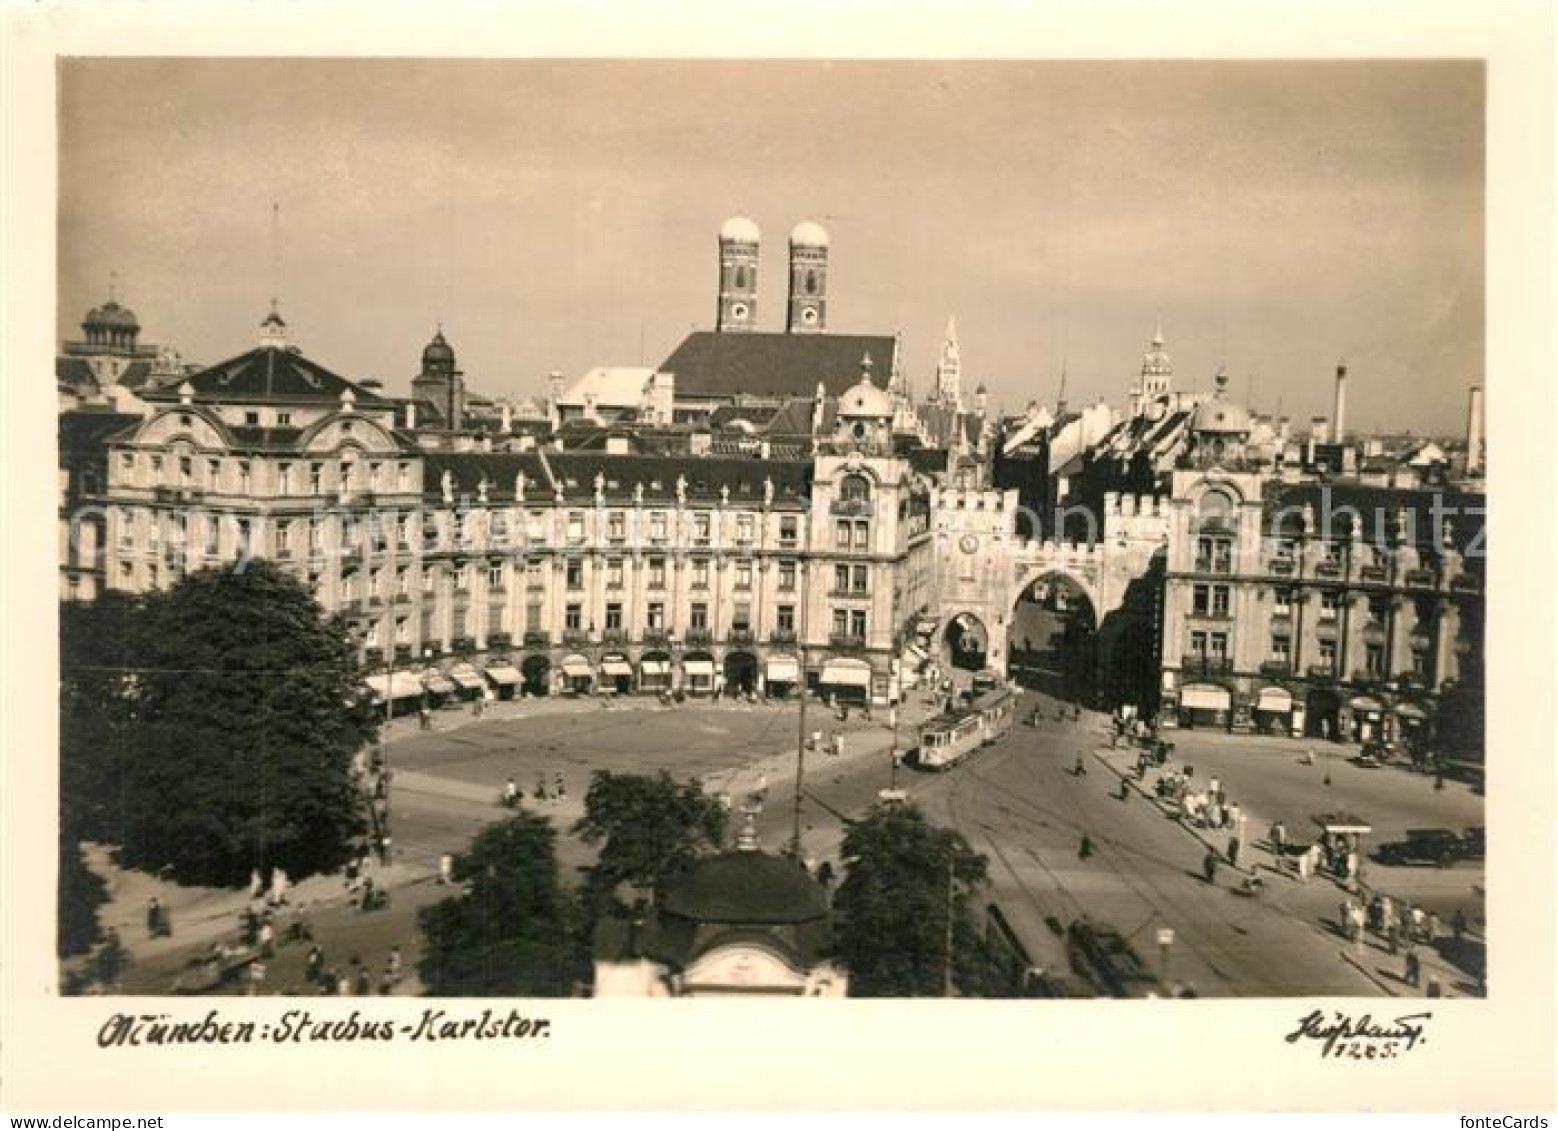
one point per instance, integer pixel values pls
(557, 215)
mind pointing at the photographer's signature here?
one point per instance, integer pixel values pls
(1361, 1038)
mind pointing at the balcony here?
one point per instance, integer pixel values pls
(537, 638)
(373, 657)
(782, 636)
(1367, 678)
(177, 494)
(575, 637)
(656, 636)
(1328, 569)
(402, 653)
(1374, 573)
(703, 635)
(849, 594)
(1276, 668)
(499, 640)
(614, 636)
(1321, 671)
(1205, 665)
(1210, 614)
(851, 508)
(741, 636)
(1466, 583)
(846, 642)
(462, 645)
(1283, 566)
(1419, 578)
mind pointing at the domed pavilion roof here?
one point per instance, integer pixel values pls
(748, 888)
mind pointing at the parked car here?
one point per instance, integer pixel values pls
(1439, 847)
(1368, 761)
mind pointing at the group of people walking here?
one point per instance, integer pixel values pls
(356, 980)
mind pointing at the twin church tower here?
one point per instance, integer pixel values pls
(739, 239)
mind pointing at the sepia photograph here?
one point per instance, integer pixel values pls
(1008, 532)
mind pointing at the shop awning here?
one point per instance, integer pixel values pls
(698, 667)
(783, 669)
(439, 684)
(846, 673)
(400, 685)
(1200, 697)
(467, 677)
(1274, 699)
(1342, 823)
(1365, 703)
(616, 667)
(655, 667)
(504, 675)
(577, 667)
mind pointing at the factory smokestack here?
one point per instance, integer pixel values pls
(1474, 432)
(1339, 412)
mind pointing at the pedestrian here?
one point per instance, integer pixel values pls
(1413, 968)
(343, 985)
(153, 917)
(1419, 923)
(1356, 924)
(256, 977)
(511, 792)
(1458, 925)
(364, 987)
(1233, 851)
(1085, 849)
(385, 849)
(278, 885)
(1305, 866)
(315, 963)
(393, 964)
(540, 794)
(1080, 769)
(762, 786)
(561, 788)
(425, 718)
(1209, 866)
(1278, 839)
(838, 745)
(1125, 790)
(1235, 815)
(1434, 928)
(251, 927)
(825, 873)
(255, 886)
(446, 869)
(267, 940)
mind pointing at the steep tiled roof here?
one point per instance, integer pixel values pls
(87, 431)
(1334, 504)
(575, 472)
(773, 365)
(270, 375)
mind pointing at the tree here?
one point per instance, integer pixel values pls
(81, 892)
(649, 830)
(247, 708)
(902, 878)
(510, 932)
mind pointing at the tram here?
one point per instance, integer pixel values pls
(953, 735)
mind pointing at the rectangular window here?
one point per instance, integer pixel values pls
(842, 534)
(373, 477)
(657, 573)
(1217, 645)
(243, 477)
(616, 527)
(657, 526)
(1201, 600)
(251, 418)
(495, 577)
(700, 574)
(614, 573)
(533, 617)
(214, 473)
(403, 582)
(786, 617)
(1220, 600)
(840, 622)
(857, 623)
(213, 536)
(1329, 600)
(283, 418)
(743, 575)
(656, 616)
(614, 616)
(787, 576)
(1198, 645)
(316, 478)
(858, 576)
(862, 535)
(741, 617)
(1281, 649)
(1328, 655)
(402, 631)
(1374, 659)
(840, 578)
(698, 617)
(428, 578)
(462, 577)
(575, 573)
(126, 530)
(283, 539)
(573, 617)
(575, 527)
(1282, 602)
(700, 527)
(1379, 609)
(284, 479)
(535, 576)
(743, 528)
(402, 477)
(1419, 662)
(788, 528)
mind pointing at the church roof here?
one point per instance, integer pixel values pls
(266, 374)
(747, 889)
(610, 385)
(708, 363)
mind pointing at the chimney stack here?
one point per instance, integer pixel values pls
(411, 416)
(1340, 412)
(1474, 432)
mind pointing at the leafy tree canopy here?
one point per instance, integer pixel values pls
(510, 932)
(903, 876)
(649, 829)
(244, 710)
